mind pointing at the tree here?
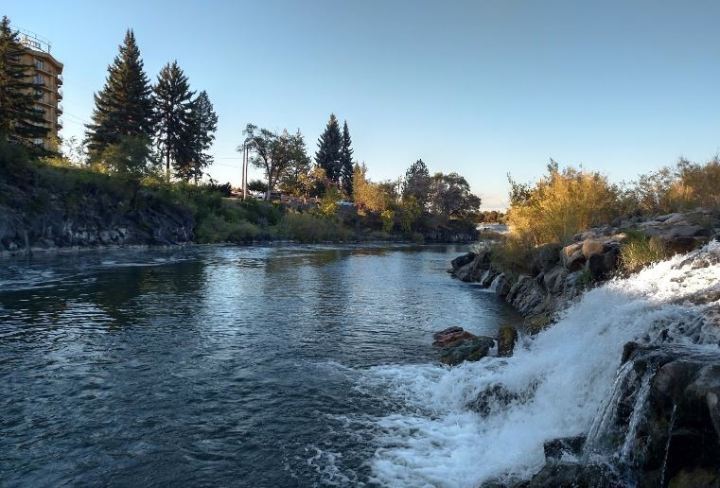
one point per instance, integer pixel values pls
(124, 107)
(450, 196)
(368, 195)
(129, 156)
(417, 183)
(274, 153)
(173, 109)
(295, 178)
(21, 122)
(200, 136)
(346, 163)
(329, 150)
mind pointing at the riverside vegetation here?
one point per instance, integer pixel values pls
(137, 177)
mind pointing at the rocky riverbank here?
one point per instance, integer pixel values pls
(558, 274)
(94, 220)
(660, 424)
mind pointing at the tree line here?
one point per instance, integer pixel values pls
(139, 128)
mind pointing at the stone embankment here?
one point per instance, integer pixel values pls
(557, 274)
(92, 220)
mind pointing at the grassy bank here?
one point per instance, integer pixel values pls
(51, 189)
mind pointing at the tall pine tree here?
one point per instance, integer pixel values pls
(201, 134)
(21, 122)
(346, 163)
(173, 105)
(329, 148)
(124, 107)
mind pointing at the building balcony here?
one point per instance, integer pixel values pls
(59, 80)
(59, 93)
(59, 108)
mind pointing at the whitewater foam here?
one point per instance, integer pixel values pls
(556, 382)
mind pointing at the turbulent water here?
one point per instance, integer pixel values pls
(217, 366)
(304, 367)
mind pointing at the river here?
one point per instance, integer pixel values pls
(221, 366)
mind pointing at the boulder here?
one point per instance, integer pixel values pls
(546, 257)
(507, 336)
(572, 257)
(501, 285)
(450, 335)
(557, 448)
(592, 247)
(467, 349)
(463, 260)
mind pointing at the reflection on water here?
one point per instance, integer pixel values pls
(214, 365)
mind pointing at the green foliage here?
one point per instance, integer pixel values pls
(416, 183)
(124, 107)
(450, 196)
(512, 255)
(683, 187)
(328, 203)
(173, 112)
(280, 156)
(258, 186)
(306, 227)
(639, 251)
(346, 162)
(409, 212)
(20, 121)
(200, 135)
(388, 220)
(130, 156)
(329, 153)
(218, 228)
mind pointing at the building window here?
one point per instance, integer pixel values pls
(39, 142)
(39, 80)
(39, 64)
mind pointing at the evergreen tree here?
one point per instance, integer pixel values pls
(21, 122)
(173, 106)
(124, 107)
(201, 134)
(346, 163)
(329, 148)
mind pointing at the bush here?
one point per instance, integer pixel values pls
(305, 227)
(639, 251)
(216, 228)
(512, 255)
(684, 187)
(560, 205)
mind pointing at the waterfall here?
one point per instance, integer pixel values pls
(564, 382)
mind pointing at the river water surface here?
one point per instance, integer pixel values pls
(218, 366)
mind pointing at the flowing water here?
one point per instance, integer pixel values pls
(217, 366)
(307, 367)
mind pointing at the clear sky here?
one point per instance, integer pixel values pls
(479, 87)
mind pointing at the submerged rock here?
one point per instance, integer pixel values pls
(467, 349)
(507, 336)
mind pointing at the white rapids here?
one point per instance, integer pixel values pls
(564, 375)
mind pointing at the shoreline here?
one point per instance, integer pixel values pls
(69, 250)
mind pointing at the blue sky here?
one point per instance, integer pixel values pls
(479, 87)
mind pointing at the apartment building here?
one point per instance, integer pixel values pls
(47, 76)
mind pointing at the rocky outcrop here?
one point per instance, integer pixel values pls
(661, 430)
(557, 274)
(91, 219)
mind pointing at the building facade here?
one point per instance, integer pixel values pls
(47, 77)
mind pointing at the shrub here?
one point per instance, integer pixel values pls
(305, 227)
(560, 205)
(639, 251)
